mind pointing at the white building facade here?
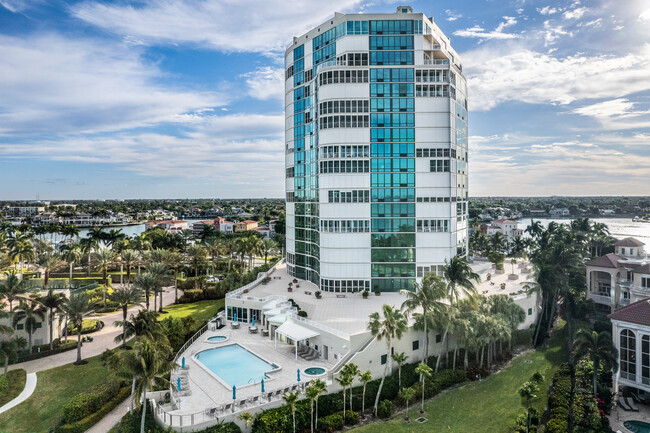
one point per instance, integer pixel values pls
(376, 152)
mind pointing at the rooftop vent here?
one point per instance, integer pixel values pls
(404, 10)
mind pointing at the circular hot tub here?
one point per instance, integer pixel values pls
(314, 371)
(217, 338)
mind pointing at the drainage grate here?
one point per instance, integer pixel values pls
(421, 420)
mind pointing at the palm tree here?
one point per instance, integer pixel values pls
(345, 379)
(267, 246)
(351, 369)
(597, 346)
(393, 325)
(20, 247)
(528, 393)
(124, 296)
(160, 272)
(321, 387)
(52, 302)
(173, 259)
(427, 296)
(364, 378)
(105, 259)
(7, 330)
(146, 282)
(11, 289)
(425, 372)
(312, 392)
(145, 323)
(76, 308)
(460, 280)
(71, 254)
(30, 311)
(196, 255)
(10, 348)
(87, 246)
(400, 358)
(48, 261)
(215, 247)
(407, 394)
(290, 399)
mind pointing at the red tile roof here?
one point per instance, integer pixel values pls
(638, 312)
(504, 221)
(645, 269)
(607, 261)
(629, 242)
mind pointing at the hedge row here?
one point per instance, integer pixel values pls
(45, 351)
(85, 423)
(85, 404)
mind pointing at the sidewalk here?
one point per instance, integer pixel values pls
(102, 340)
(111, 418)
(30, 386)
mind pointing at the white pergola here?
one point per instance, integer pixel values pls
(294, 332)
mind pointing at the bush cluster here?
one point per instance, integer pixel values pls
(385, 409)
(89, 402)
(90, 420)
(4, 384)
(43, 350)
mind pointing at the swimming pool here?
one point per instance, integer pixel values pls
(217, 338)
(637, 426)
(235, 365)
(314, 371)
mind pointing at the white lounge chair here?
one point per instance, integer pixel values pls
(630, 402)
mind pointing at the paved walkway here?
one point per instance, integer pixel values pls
(102, 340)
(30, 386)
(112, 418)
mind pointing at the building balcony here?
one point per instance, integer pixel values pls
(436, 61)
(624, 301)
(624, 283)
(600, 299)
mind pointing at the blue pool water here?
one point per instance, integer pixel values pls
(235, 365)
(217, 338)
(637, 426)
(314, 371)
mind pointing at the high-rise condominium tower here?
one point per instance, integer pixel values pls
(376, 152)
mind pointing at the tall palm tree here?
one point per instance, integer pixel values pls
(47, 262)
(105, 258)
(345, 379)
(76, 308)
(215, 247)
(290, 399)
(7, 330)
(407, 394)
(161, 273)
(30, 311)
(87, 245)
(460, 279)
(425, 372)
(20, 247)
(129, 258)
(391, 326)
(268, 245)
(52, 302)
(124, 296)
(196, 256)
(364, 378)
(427, 296)
(598, 347)
(173, 260)
(353, 370)
(400, 358)
(312, 392)
(13, 288)
(147, 282)
(71, 254)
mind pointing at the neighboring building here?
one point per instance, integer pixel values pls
(23, 211)
(197, 227)
(631, 335)
(560, 212)
(172, 226)
(607, 212)
(507, 227)
(619, 278)
(376, 151)
(243, 226)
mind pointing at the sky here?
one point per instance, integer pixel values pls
(184, 98)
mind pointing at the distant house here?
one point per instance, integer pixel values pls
(537, 212)
(559, 212)
(172, 226)
(505, 226)
(243, 226)
(23, 211)
(220, 224)
(607, 212)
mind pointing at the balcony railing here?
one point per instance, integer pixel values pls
(600, 299)
(436, 61)
(624, 282)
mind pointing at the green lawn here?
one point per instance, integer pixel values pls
(200, 311)
(53, 390)
(17, 379)
(488, 406)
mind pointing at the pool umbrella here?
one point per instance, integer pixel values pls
(235, 317)
(298, 375)
(253, 324)
(183, 363)
(262, 385)
(234, 392)
(178, 384)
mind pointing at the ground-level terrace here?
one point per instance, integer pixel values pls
(262, 319)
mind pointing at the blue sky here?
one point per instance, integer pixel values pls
(183, 98)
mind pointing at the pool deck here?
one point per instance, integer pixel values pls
(618, 416)
(208, 392)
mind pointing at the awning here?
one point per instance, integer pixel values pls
(296, 332)
(278, 319)
(270, 305)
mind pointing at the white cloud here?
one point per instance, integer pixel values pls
(480, 32)
(509, 22)
(620, 113)
(593, 23)
(260, 26)
(644, 16)
(51, 84)
(452, 16)
(553, 33)
(547, 10)
(265, 83)
(574, 14)
(510, 73)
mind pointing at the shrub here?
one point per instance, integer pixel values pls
(87, 403)
(90, 420)
(332, 422)
(351, 417)
(4, 384)
(302, 313)
(87, 326)
(385, 409)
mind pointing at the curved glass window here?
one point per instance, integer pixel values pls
(628, 355)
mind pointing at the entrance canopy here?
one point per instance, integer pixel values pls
(296, 332)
